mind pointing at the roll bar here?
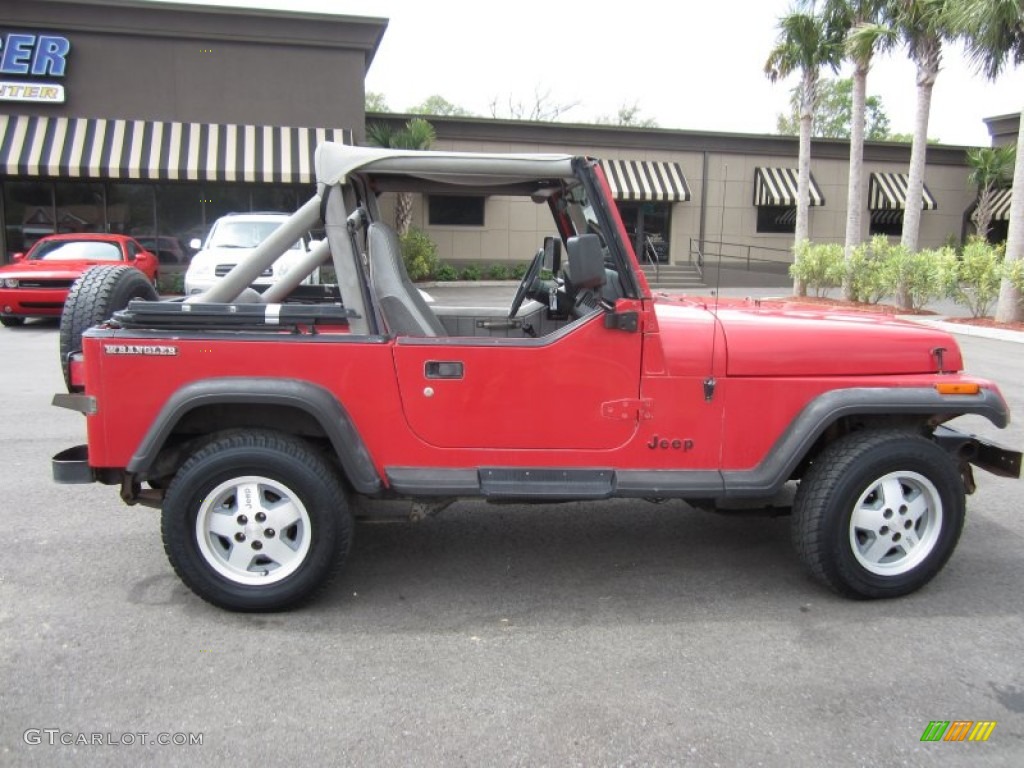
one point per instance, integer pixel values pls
(266, 253)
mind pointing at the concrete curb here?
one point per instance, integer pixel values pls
(964, 329)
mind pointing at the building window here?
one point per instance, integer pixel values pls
(647, 224)
(778, 219)
(455, 211)
(28, 214)
(80, 207)
(999, 231)
(131, 209)
(886, 222)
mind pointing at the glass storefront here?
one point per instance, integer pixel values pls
(648, 226)
(165, 217)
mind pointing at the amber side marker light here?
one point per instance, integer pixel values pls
(958, 388)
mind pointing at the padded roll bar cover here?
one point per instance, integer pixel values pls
(586, 261)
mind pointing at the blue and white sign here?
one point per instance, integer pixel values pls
(33, 56)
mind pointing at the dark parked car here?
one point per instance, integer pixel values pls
(172, 253)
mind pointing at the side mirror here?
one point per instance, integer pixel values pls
(586, 261)
(195, 243)
(18, 257)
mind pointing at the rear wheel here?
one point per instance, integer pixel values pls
(93, 298)
(256, 521)
(878, 514)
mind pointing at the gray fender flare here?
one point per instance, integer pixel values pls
(315, 400)
(771, 474)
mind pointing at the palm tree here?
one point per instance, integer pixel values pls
(805, 44)
(416, 134)
(924, 26)
(994, 34)
(991, 168)
(866, 33)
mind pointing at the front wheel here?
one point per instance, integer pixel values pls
(12, 322)
(256, 521)
(878, 514)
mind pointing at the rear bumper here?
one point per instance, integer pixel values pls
(71, 467)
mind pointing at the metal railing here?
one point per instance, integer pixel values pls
(743, 253)
(697, 263)
(650, 256)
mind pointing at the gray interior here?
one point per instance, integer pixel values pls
(493, 321)
(404, 309)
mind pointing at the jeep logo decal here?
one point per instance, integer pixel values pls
(674, 444)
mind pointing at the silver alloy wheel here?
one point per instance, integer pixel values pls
(896, 523)
(253, 530)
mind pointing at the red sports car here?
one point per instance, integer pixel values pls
(37, 283)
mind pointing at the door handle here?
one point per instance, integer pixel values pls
(443, 369)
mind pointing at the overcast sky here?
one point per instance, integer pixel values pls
(688, 64)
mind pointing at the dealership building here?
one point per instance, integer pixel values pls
(155, 119)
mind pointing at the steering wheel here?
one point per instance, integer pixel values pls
(528, 280)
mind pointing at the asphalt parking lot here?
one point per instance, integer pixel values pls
(613, 633)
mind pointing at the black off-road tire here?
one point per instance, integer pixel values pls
(212, 512)
(12, 322)
(95, 297)
(899, 484)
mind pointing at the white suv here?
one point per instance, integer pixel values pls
(231, 239)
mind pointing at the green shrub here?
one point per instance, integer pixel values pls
(327, 275)
(171, 284)
(918, 278)
(420, 255)
(1014, 272)
(977, 276)
(519, 270)
(447, 272)
(472, 272)
(818, 265)
(498, 272)
(953, 243)
(867, 270)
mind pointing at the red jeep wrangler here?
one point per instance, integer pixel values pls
(251, 420)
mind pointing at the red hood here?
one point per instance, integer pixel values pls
(790, 339)
(53, 270)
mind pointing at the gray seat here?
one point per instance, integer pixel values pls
(405, 312)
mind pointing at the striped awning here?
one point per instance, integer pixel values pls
(888, 191)
(646, 180)
(887, 216)
(1001, 204)
(136, 149)
(778, 187)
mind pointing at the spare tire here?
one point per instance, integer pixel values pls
(93, 298)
